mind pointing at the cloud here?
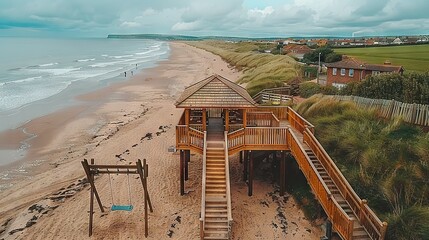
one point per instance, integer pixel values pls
(221, 17)
(130, 24)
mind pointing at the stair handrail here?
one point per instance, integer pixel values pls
(203, 189)
(228, 187)
(358, 206)
(295, 119)
(344, 231)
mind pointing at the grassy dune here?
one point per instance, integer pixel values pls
(412, 57)
(386, 162)
(261, 70)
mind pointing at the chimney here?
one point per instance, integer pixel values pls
(387, 62)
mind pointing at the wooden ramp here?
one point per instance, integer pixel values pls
(216, 208)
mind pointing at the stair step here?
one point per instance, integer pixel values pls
(211, 176)
(217, 237)
(215, 198)
(220, 211)
(214, 232)
(215, 191)
(216, 164)
(215, 168)
(217, 216)
(217, 221)
(215, 182)
(220, 225)
(216, 185)
(215, 205)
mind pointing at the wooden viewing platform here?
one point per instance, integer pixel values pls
(236, 124)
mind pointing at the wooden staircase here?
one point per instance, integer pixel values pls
(358, 230)
(216, 223)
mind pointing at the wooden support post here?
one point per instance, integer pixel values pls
(182, 177)
(250, 184)
(142, 171)
(187, 116)
(227, 120)
(93, 192)
(145, 170)
(282, 173)
(244, 118)
(241, 156)
(246, 160)
(187, 160)
(328, 230)
(204, 120)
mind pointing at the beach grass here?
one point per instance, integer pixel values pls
(261, 70)
(413, 58)
(384, 160)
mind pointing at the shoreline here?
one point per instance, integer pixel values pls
(111, 129)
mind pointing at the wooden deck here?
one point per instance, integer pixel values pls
(282, 129)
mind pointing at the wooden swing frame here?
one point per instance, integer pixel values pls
(138, 168)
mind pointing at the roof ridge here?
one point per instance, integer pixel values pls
(237, 89)
(230, 82)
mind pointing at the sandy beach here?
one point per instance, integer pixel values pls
(51, 201)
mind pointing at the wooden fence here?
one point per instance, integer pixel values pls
(417, 114)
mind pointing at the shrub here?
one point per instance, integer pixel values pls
(308, 89)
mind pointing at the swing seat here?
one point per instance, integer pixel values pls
(122, 208)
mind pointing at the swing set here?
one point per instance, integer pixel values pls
(138, 168)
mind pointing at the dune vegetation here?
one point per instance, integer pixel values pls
(261, 70)
(386, 162)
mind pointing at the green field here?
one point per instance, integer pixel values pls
(412, 57)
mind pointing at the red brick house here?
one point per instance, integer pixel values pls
(349, 70)
(296, 50)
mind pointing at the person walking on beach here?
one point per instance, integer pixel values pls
(132, 73)
(125, 73)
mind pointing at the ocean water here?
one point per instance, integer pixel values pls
(35, 70)
(40, 75)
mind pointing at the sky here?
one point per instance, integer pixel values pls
(241, 18)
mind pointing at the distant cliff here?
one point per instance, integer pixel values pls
(155, 37)
(163, 37)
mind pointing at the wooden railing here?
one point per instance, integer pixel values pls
(258, 138)
(298, 122)
(341, 221)
(281, 92)
(366, 216)
(203, 189)
(265, 136)
(181, 136)
(187, 137)
(196, 138)
(262, 119)
(279, 112)
(236, 140)
(234, 127)
(198, 127)
(228, 187)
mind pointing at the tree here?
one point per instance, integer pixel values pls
(314, 55)
(333, 57)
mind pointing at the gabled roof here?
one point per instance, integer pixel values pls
(351, 63)
(384, 68)
(347, 62)
(215, 92)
